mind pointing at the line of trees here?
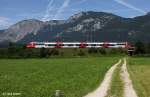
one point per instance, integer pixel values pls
(142, 48)
(20, 51)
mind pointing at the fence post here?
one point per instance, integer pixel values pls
(58, 93)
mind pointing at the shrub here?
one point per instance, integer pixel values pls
(81, 53)
(102, 51)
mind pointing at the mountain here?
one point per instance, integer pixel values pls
(83, 26)
(20, 30)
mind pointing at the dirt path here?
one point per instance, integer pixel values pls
(128, 88)
(101, 91)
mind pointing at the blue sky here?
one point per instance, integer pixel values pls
(12, 11)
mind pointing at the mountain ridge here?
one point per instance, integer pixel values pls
(83, 26)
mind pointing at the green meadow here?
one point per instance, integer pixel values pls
(139, 69)
(75, 77)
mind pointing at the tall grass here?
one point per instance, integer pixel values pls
(139, 69)
(41, 77)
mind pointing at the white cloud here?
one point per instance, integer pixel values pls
(62, 9)
(54, 12)
(122, 2)
(49, 8)
(4, 22)
(78, 2)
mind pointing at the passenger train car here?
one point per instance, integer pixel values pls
(78, 45)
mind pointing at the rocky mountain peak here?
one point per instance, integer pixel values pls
(26, 26)
(76, 16)
(55, 22)
(90, 15)
(148, 13)
(22, 28)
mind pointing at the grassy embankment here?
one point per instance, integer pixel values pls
(41, 77)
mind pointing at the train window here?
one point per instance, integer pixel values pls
(111, 44)
(120, 44)
(61, 45)
(51, 44)
(70, 44)
(77, 44)
(39, 44)
(93, 44)
(107, 44)
(55, 44)
(85, 44)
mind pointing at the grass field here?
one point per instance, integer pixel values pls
(41, 77)
(139, 69)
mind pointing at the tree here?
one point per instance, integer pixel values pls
(81, 53)
(92, 51)
(43, 52)
(113, 51)
(12, 51)
(102, 51)
(54, 52)
(148, 48)
(140, 47)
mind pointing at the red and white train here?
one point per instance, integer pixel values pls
(79, 45)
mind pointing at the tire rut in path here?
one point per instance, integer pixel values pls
(128, 87)
(101, 91)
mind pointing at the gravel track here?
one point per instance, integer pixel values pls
(101, 91)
